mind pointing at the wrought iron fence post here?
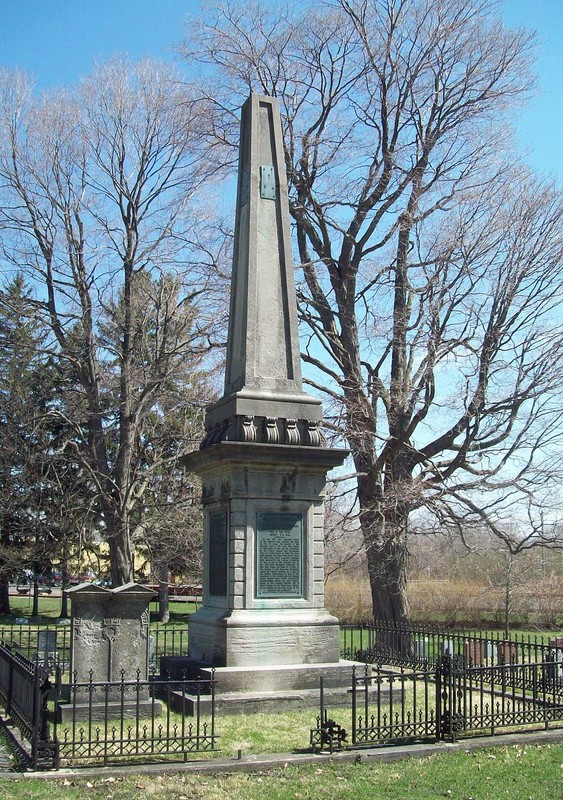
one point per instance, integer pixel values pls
(56, 699)
(10, 692)
(213, 707)
(354, 704)
(36, 720)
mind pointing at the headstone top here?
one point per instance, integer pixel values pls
(87, 588)
(136, 589)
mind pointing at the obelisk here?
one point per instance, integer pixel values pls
(263, 461)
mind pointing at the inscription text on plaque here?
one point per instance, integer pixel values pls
(279, 555)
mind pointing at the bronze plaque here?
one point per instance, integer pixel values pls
(279, 555)
(218, 564)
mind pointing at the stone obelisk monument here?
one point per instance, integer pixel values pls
(263, 461)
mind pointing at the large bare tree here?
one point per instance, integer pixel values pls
(98, 190)
(430, 259)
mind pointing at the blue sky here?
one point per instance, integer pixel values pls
(59, 40)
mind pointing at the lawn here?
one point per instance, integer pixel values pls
(508, 773)
(50, 609)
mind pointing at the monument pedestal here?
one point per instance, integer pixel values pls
(263, 626)
(260, 637)
(263, 600)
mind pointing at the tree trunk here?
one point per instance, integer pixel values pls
(508, 594)
(120, 549)
(386, 552)
(64, 584)
(384, 525)
(386, 559)
(35, 607)
(163, 600)
(5, 596)
(64, 614)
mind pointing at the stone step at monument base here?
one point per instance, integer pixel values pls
(274, 678)
(239, 703)
(272, 689)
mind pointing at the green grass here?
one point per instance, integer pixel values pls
(50, 609)
(510, 773)
(252, 735)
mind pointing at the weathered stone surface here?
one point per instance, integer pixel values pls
(263, 399)
(264, 637)
(109, 637)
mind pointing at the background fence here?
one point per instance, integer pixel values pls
(419, 647)
(50, 645)
(416, 647)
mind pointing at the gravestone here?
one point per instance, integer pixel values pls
(507, 653)
(474, 652)
(46, 648)
(263, 461)
(109, 647)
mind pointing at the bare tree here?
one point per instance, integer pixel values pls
(430, 259)
(97, 208)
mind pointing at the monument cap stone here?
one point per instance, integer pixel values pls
(110, 631)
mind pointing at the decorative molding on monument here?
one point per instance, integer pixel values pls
(266, 430)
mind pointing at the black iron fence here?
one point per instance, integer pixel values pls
(449, 701)
(50, 645)
(167, 641)
(418, 647)
(47, 644)
(415, 647)
(101, 723)
(417, 683)
(134, 721)
(24, 691)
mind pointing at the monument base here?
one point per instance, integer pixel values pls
(262, 689)
(240, 703)
(264, 638)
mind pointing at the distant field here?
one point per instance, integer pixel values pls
(462, 603)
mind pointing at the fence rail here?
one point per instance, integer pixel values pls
(24, 689)
(101, 723)
(417, 683)
(50, 645)
(419, 647)
(414, 647)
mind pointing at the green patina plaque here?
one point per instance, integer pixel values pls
(279, 555)
(218, 554)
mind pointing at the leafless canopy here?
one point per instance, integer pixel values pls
(99, 208)
(430, 258)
